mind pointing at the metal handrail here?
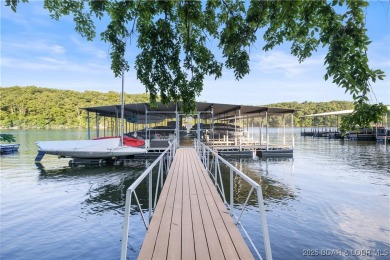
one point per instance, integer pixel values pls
(164, 162)
(214, 170)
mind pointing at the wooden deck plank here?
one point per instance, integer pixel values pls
(174, 245)
(240, 246)
(190, 220)
(215, 249)
(188, 244)
(161, 247)
(223, 234)
(201, 246)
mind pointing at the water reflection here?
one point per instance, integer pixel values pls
(105, 186)
(274, 191)
(357, 155)
(337, 197)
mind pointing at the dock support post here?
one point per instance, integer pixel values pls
(198, 127)
(241, 128)
(146, 129)
(212, 125)
(292, 130)
(116, 121)
(104, 126)
(89, 128)
(122, 122)
(177, 130)
(97, 124)
(284, 129)
(266, 129)
(235, 128)
(39, 156)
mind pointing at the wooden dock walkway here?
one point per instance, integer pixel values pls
(190, 220)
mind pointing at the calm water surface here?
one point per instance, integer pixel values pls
(331, 199)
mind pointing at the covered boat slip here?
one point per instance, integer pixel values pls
(321, 121)
(190, 220)
(227, 128)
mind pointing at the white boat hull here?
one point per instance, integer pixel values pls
(88, 149)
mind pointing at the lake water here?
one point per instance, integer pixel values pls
(330, 200)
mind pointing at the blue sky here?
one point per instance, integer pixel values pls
(36, 50)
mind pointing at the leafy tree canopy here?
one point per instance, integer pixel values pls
(172, 37)
(7, 138)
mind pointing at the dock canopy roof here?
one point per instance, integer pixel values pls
(219, 110)
(335, 113)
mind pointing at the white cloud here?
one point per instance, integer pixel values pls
(58, 49)
(43, 64)
(278, 62)
(88, 47)
(18, 47)
(259, 89)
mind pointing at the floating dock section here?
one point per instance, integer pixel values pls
(191, 221)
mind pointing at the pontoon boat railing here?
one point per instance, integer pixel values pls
(211, 161)
(163, 162)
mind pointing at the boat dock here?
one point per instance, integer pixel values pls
(377, 132)
(228, 128)
(191, 221)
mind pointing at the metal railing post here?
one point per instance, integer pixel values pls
(150, 196)
(125, 234)
(267, 244)
(220, 179)
(208, 159)
(215, 170)
(159, 175)
(231, 191)
(162, 173)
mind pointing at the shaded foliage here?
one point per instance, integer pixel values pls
(362, 117)
(172, 37)
(7, 138)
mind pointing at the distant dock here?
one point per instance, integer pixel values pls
(320, 128)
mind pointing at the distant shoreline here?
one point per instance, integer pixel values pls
(44, 108)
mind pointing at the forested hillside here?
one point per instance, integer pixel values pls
(34, 107)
